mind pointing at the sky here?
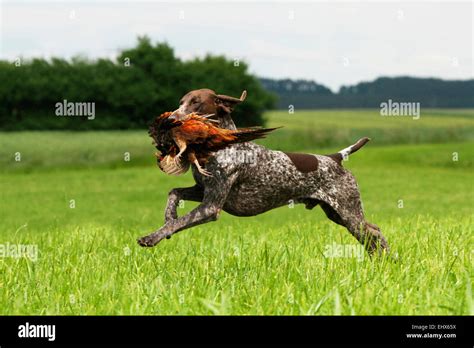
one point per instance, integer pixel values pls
(332, 42)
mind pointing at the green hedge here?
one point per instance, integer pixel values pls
(143, 82)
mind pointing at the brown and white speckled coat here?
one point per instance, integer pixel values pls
(249, 179)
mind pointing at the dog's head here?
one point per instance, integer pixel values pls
(206, 101)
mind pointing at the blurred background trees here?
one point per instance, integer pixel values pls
(429, 92)
(148, 79)
(143, 82)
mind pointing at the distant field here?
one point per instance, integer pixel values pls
(317, 131)
(310, 129)
(89, 262)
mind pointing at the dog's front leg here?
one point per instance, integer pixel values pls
(215, 195)
(205, 212)
(195, 194)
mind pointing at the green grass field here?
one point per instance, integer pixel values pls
(89, 263)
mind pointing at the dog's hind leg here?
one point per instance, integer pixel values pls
(195, 194)
(344, 207)
(331, 214)
(369, 235)
(366, 233)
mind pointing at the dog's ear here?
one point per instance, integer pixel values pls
(226, 104)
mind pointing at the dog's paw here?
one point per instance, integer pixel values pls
(147, 241)
(151, 240)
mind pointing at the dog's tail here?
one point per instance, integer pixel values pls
(344, 153)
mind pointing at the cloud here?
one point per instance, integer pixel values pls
(333, 43)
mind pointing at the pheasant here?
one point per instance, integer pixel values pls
(194, 138)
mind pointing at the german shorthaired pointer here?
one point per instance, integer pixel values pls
(269, 180)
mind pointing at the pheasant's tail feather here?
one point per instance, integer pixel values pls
(249, 134)
(226, 137)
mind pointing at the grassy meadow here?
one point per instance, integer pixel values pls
(76, 198)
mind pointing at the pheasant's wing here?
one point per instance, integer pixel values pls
(192, 131)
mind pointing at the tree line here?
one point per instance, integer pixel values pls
(429, 92)
(128, 92)
(148, 79)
